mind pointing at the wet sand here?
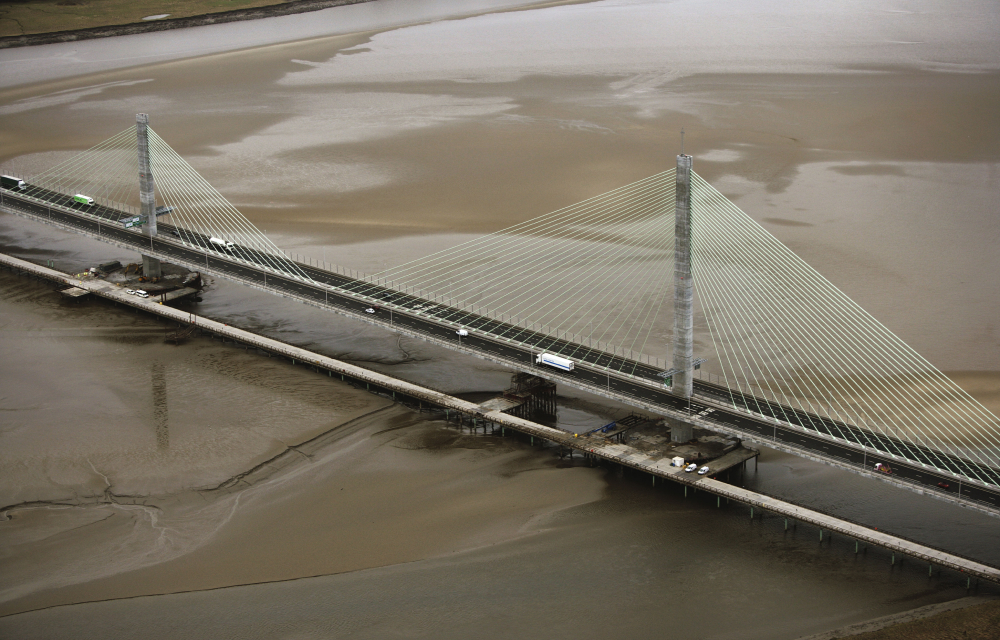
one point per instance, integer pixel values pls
(435, 511)
(875, 162)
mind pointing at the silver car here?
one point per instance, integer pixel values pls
(703, 470)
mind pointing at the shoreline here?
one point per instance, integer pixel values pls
(898, 619)
(236, 15)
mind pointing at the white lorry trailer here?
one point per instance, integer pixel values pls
(222, 244)
(82, 199)
(554, 361)
(10, 182)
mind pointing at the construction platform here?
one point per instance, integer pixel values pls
(176, 294)
(75, 292)
(652, 437)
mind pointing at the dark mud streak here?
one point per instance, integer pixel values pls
(33, 504)
(288, 451)
(205, 590)
(109, 498)
(283, 9)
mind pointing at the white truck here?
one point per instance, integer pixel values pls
(10, 182)
(222, 244)
(554, 361)
(82, 199)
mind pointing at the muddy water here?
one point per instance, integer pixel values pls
(873, 161)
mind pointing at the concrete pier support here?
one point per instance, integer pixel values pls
(682, 382)
(680, 432)
(147, 197)
(151, 267)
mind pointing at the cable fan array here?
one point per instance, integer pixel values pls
(595, 277)
(785, 333)
(595, 272)
(109, 174)
(199, 212)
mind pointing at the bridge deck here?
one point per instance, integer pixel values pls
(598, 447)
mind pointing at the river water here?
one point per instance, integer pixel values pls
(863, 137)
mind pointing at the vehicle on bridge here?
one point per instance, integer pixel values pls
(883, 468)
(222, 244)
(82, 199)
(10, 182)
(554, 361)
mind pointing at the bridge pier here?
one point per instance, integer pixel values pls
(151, 267)
(680, 431)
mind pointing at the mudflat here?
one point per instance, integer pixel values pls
(864, 139)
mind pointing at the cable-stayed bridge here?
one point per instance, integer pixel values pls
(789, 360)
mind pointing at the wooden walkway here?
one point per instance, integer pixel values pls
(596, 447)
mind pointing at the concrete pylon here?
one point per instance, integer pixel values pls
(682, 383)
(683, 283)
(147, 197)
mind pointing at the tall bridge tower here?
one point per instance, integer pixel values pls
(683, 282)
(147, 197)
(683, 363)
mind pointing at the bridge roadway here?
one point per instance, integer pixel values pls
(636, 383)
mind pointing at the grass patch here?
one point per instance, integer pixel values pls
(23, 17)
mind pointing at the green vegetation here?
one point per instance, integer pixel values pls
(978, 622)
(21, 17)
